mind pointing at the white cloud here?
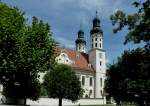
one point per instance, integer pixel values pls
(99, 5)
(64, 42)
(104, 7)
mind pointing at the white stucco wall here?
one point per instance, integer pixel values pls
(87, 86)
(63, 58)
(54, 102)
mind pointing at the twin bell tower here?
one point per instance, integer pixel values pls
(96, 54)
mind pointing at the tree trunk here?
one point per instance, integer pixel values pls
(141, 103)
(25, 100)
(60, 101)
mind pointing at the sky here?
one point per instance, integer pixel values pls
(65, 17)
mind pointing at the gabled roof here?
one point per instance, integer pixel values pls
(80, 60)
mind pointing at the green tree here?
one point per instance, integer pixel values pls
(43, 91)
(138, 23)
(25, 51)
(129, 79)
(62, 82)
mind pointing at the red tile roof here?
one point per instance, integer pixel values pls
(80, 60)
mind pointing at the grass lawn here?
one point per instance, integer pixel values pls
(97, 105)
(107, 105)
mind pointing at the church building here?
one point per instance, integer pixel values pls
(89, 66)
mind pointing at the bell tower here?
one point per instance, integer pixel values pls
(96, 34)
(97, 57)
(80, 42)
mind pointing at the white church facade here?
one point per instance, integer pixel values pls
(90, 67)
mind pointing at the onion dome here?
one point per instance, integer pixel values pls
(96, 25)
(80, 38)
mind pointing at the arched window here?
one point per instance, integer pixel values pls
(90, 93)
(101, 82)
(100, 63)
(95, 39)
(100, 45)
(95, 44)
(91, 81)
(83, 80)
(101, 92)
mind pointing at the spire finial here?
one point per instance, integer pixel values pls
(96, 13)
(81, 24)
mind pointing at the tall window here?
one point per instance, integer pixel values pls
(100, 45)
(101, 92)
(101, 82)
(90, 93)
(91, 81)
(95, 39)
(83, 80)
(95, 44)
(100, 63)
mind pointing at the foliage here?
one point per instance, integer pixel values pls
(25, 51)
(138, 23)
(43, 91)
(62, 82)
(128, 79)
